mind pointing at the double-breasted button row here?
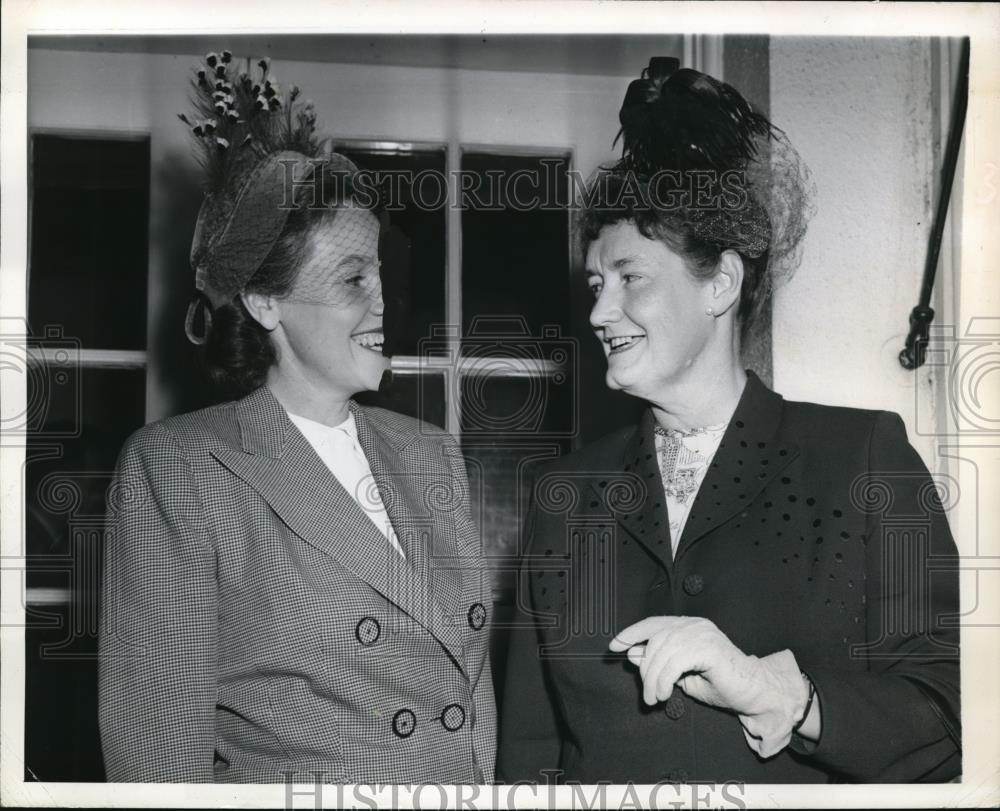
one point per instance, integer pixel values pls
(452, 718)
(367, 631)
(476, 616)
(404, 723)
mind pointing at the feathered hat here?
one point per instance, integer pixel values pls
(683, 121)
(255, 140)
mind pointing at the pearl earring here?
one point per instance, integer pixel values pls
(709, 311)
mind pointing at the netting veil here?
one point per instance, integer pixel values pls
(262, 159)
(702, 135)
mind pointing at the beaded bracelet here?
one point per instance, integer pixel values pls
(809, 703)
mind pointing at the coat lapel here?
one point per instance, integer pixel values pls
(749, 457)
(416, 490)
(639, 505)
(280, 464)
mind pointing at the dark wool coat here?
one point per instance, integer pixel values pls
(816, 529)
(256, 622)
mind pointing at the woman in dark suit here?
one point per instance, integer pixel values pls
(739, 587)
(293, 586)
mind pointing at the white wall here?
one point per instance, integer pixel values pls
(860, 112)
(141, 91)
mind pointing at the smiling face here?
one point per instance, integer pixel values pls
(649, 312)
(329, 334)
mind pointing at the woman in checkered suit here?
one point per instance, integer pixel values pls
(293, 585)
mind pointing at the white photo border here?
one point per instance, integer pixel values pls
(980, 289)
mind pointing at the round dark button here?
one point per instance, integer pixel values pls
(477, 616)
(674, 707)
(693, 584)
(677, 776)
(403, 723)
(453, 717)
(367, 631)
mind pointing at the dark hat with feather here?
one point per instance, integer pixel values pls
(684, 121)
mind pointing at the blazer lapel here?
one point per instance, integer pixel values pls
(638, 503)
(415, 489)
(280, 464)
(749, 457)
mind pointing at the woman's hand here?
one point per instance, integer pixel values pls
(769, 694)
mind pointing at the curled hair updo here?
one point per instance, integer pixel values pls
(238, 352)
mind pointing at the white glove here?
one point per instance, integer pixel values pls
(768, 694)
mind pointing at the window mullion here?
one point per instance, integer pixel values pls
(88, 358)
(453, 292)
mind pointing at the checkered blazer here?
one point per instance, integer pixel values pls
(255, 622)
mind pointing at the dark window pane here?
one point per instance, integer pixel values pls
(53, 383)
(517, 408)
(500, 478)
(515, 241)
(416, 396)
(493, 471)
(70, 462)
(422, 292)
(516, 308)
(89, 239)
(61, 740)
(507, 425)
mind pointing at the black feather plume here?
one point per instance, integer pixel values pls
(682, 119)
(240, 117)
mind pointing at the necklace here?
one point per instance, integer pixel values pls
(705, 429)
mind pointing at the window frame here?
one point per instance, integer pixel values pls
(88, 357)
(453, 363)
(85, 357)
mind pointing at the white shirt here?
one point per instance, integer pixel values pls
(341, 452)
(684, 457)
